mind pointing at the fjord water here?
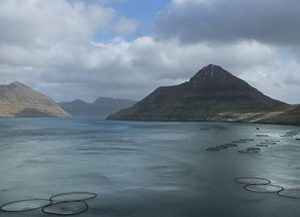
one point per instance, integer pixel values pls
(146, 168)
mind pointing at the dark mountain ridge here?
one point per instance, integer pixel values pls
(212, 94)
(102, 106)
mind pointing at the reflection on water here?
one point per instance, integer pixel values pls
(148, 168)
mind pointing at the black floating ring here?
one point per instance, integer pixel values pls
(280, 188)
(248, 152)
(2, 208)
(86, 207)
(93, 195)
(239, 180)
(281, 193)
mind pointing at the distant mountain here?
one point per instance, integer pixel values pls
(78, 107)
(19, 100)
(213, 94)
(100, 107)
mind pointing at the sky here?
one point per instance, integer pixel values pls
(84, 49)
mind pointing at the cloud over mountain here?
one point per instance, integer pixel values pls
(83, 49)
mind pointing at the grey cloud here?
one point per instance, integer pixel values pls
(65, 64)
(269, 21)
(39, 24)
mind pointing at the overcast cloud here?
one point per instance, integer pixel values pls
(269, 21)
(78, 49)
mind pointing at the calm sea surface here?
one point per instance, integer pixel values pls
(147, 169)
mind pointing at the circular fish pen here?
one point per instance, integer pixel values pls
(231, 145)
(73, 196)
(272, 140)
(252, 181)
(262, 135)
(263, 188)
(262, 145)
(248, 140)
(221, 147)
(248, 151)
(239, 141)
(253, 149)
(66, 208)
(268, 143)
(25, 205)
(292, 193)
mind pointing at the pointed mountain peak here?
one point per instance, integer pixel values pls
(211, 72)
(17, 84)
(19, 100)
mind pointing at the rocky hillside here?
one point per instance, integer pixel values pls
(213, 94)
(289, 116)
(19, 100)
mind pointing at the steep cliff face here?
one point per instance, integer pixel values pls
(19, 100)
(213, 94)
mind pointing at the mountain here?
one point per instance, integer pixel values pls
(19, 100)
(100, 107)
(213, 94)
(78, 107)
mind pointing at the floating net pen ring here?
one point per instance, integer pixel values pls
(73, 196)
(66, 208)
(292, 193)
(252, 181)
(248, 151)
(263, 188)
(25, 205)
